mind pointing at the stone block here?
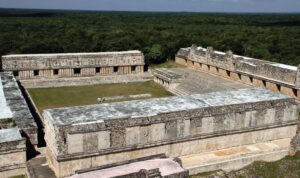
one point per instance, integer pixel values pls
(207, 124)
(190, 63)
(145, 135)
(197, 65)
(235, 76)
(205, 67)
(157, 132)
(273, 87)
(224, 73)
(180, 60)
(171, 129)
(195, 126)
(118, 137)
(183, 127)
(214, 70)
(75, 143)
(132, 135)
(270, 116)
(229, 121)
(90, 142)
(103, 140)
(258, 83)
(290, 113)
(239, 120)
(247, 80)
(68, 168)
(279, 115)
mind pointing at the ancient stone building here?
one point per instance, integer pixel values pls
(186, 127)
(14, 111)
(215, 124)
(35, 66)
(270, 75)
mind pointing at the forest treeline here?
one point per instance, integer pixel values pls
(274, 37)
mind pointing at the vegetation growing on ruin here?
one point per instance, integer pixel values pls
(274, 37)
(168, 64)
(45, 98)
(289, 167)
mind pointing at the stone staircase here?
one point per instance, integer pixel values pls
(178, 91)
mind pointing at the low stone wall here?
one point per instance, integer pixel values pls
(273, 76)
(79, 81)
(175, 126)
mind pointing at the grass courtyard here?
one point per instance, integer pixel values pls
(46, 98)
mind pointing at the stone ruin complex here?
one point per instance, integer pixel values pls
(258, 73)
(169, 137)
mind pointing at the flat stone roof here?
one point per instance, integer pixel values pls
(145, 108)
(21, 114)
(74, 54)
(5, 112)
(8, 135)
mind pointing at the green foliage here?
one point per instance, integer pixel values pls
(168, 64)
(273, 37)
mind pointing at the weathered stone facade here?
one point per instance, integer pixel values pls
(34, 66)
(270, 75)
(96, 135)
(12, 153)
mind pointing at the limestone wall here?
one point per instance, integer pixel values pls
(69, 166)
(268, 70)
(82, 145)
(274, 76)
(74, 64)
(12, 153)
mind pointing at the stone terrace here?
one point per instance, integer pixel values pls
(195, 82)
(97, 135)
(146, 108)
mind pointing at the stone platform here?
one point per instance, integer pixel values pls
(194, 82)
(236, 157)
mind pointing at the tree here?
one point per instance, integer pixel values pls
(154, 54)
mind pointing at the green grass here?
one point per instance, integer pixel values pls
(289, 167)
(21, 176)
(168, 64)
(204, 174)
(46, 98)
